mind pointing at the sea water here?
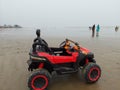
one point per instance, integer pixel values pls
(66, 32)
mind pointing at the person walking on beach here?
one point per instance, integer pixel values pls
(93, 30)
(97, 30)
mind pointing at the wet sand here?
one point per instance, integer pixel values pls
(13, 66)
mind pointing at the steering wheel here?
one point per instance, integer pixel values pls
(74, 47)
(62, 44)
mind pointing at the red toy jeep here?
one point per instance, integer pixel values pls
(68, 58)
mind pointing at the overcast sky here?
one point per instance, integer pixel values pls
(55, 13)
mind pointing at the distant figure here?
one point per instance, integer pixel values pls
(90, 27)
(116, 28)
(97, 30)
(93, 30)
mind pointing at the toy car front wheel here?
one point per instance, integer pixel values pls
(39, 80)
(92, 72)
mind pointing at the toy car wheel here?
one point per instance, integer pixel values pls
(92, 72)
(39, 80)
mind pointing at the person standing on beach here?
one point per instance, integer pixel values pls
(97, 30)
(116, 28)
(93, 30)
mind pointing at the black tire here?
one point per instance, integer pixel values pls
(39, 80)
(91, 72)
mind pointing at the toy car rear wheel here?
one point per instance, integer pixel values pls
(91, 72)
(39, 80)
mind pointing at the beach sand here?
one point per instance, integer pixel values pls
(14, 55)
